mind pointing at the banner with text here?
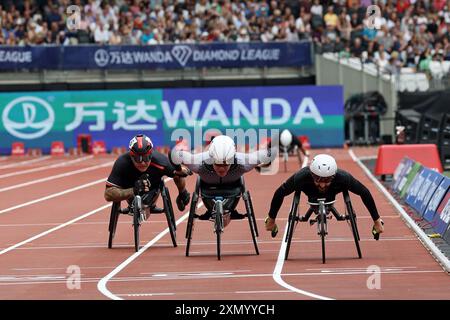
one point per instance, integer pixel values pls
(178, 56)
(38, 118)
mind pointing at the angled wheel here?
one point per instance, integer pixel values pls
(352, 217)
(190, 224)
(172, 215)
(251, 220)
(169, 215)
(291, 224)
(255, 225)
(113, 219)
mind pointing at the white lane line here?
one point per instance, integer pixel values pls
(18, 164)
(54, 195)
(425, 240)
(57, 165)
(146, 294)
(40, 235)
(101, 285)
(265, 291)
(280, 262)
(58, 176)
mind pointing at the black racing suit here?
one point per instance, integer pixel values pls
(302, 181)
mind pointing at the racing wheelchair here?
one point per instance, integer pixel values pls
(140, 212)
(322, 211)
(219, 201)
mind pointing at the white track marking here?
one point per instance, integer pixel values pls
(58, 176)
(101, 285)
(57, 165)
(441, 258)
(280, 262)
(40, 235)
(54, 195)
(18, 164)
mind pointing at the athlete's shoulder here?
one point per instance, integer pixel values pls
(160, 159)
(343, 176)
(123, 160)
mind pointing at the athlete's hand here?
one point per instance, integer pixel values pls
(142, 185)
(377, 228)
(183, 172)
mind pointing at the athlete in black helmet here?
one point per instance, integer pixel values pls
(139, 172)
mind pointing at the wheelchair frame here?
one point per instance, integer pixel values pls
(218, 217)
(322, 210)
(136, 210)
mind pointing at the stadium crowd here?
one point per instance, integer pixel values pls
(409, 33)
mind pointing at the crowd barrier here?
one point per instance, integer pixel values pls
(425, 191)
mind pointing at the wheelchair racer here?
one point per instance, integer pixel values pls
(322, 179)
(139, 172)
(290, 142)
(220, 170)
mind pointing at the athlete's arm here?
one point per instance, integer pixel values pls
(358, 188)
(116, 194)
(284, 190)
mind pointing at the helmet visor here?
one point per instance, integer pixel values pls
(142, 157)
(318, 179)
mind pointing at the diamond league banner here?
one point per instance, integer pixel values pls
(114, 116)
(178, 56)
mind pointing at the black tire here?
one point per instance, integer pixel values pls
(218, 225)
(252, 224)
(354, 227)
(136, 227)
(172, 215)
(190, 224)
(291, 224)
(169, 214)
(255, 225)
(113, 219)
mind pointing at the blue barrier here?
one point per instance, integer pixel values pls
(176, 56)
(425, 194)
(436, 199)
(415, 186)
(441, 219)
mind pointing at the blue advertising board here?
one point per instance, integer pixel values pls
(167, 56)
(436, 199)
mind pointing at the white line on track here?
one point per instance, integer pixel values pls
(58, 176)
(57, 165)
(101, 285)
(18, 164)
(439, 256)
(54, 195)
(280, 262)
(40, 235)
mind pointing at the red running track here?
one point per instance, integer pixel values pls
(55, 217)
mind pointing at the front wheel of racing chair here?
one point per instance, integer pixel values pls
(292, 222)
(137, 220)
(192, 210)
(168, 210)
(218, 222)
(352, 217)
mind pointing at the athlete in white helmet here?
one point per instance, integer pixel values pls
(221, 167)
(322, 179)
(289, 142)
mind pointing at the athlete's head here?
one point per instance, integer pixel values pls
(222, 151)
(141, 148)
(285, 138)
(323, 170)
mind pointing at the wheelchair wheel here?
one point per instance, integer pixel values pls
(137, 220)
(190, 224)
(169, 215)
(322, 221)
(255, 226)
(172, 215)
(289, 234)
(114, 217)
(218, 225)
(292, 219)
(352, 217)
